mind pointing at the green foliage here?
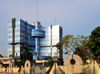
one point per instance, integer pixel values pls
(51, 62)
(71, 42)
(95, 40)
(27, 55)
(19, 63)
(79, 45)
(62, 72)
(84, 72)
(83, 52)
(98, 62)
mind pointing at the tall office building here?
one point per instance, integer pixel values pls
(41, 39)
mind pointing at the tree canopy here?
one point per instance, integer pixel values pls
(26, 55)
(86, 47)
(79, 45)
(95, 40)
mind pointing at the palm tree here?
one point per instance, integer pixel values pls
(27, 55)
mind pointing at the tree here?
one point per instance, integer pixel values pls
(79, 45)
(95, 40)
(83, 52)
(26, 55)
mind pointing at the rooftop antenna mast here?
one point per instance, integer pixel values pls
(37, 10)
(55, 19)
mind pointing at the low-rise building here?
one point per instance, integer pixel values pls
(4, 61)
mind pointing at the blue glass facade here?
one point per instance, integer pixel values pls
(41, 39)
(22, 36)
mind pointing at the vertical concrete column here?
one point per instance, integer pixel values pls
(37, 46)
(13, 36)
(51, 39)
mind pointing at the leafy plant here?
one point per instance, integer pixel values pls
(95, 40)
(26, 55)
(51, 62)
(80, 45)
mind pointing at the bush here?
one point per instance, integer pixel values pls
(51, 62)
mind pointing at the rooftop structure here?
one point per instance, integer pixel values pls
(5, 60)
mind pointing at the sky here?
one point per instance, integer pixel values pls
(77, 17)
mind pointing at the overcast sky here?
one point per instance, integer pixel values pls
(77, 17)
